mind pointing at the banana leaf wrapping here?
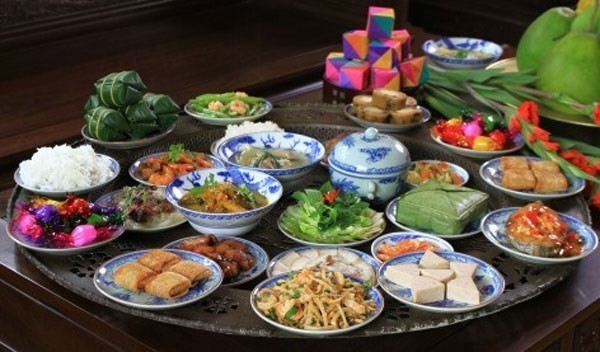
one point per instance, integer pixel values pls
(166, 120)
(161, 103)
(120, 89)
(442, 208)
(139, 113)
(141, 130)
(91, 103)
(106, 124)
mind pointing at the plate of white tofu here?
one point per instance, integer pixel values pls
(441, 282)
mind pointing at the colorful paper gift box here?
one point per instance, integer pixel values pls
(356, 45)
(380, 22)
(382, 78)
(355, 75)
(333, 64)
(403, 37)
(413, 72)
(384, 53)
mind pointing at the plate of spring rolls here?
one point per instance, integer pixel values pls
(530, 178)
(158, 279)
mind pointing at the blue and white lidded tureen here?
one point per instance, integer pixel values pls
(369, 163)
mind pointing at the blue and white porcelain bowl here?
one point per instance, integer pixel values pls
(369, 163)
(228, 224)
(470, 47)
(310, 147)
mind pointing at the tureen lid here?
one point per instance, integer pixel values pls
(370, 152)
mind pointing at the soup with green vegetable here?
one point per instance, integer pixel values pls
(273, 158)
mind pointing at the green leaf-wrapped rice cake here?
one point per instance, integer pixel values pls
(106, 124)
(161, 103)
(120, 89)
(442, 208)
(139, 113)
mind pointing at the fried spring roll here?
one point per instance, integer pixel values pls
(518, 179)
(550, 182)
(133, 276)
(158, 260)
(168, 285)
(193, 271)
(545, 165)
(513, 162)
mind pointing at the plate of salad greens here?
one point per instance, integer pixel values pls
(329, 216)
(227, 108)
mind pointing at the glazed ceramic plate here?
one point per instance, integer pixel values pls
(494, 229)
(135, 174)
(104, 282)
(355, 243)
(373, 294)
(353, 263)
(261, 260)
(459, 171)
(472, 228)
(432, 48)
(478, 154)
(393, 238)
(510, 65)
(226, 121)
(169, 221)
(386, 127)
(487, 279)
(491, 173)
(113, 165)
(128, 144)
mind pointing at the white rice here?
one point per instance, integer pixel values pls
(63, 168)
(249, 127)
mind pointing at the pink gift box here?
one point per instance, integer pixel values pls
(333, 64)
(403, 37)
(356, 45)
(380, 22)
(355, 75)
(382, 78)
(413, 72)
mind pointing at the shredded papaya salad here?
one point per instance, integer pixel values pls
(330, 216)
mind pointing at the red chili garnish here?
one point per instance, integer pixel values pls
(331, 195)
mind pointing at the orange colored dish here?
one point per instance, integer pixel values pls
(163, 169)
(388, 251)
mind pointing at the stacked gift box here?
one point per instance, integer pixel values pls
(378, 57)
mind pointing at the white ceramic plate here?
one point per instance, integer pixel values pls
(386, 127)
(318, 244)
(487, 279)
(226, 121)
(114, 167)
(472, 228)
(491, 173)
(478, 154)
(459, 171)
(170, 221)
(373, 294)
(358, 264)
(261, 260)
(134, 168)
(494, 229)
(394, 237)
(131, 143)
(104, 282)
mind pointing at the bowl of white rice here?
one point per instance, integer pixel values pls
(61, 170)
(244, 128)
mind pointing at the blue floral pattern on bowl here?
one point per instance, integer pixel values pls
(372, 294)
(394, 237)
(487, 279)
(261, 260)
(431, 47)
(104, 282)
(308, 146)
(491, 173)
(494, 229)
(230, 224)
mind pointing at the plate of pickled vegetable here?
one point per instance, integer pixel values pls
(421, 171)
(227, 108)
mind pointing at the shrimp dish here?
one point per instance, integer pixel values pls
(165, 168)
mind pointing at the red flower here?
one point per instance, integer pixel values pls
(531, 138)
(541, 134)
(528, 111)
(551, 145)
(597, 113)
(514, 124)
(577, 158)
(595, 199)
